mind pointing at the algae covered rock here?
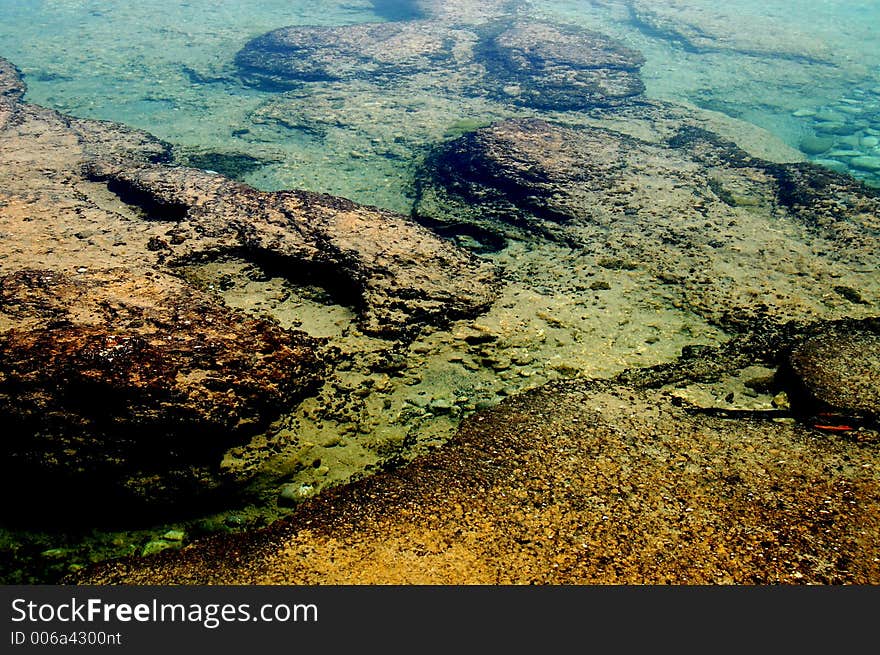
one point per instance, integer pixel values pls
(557, 67)
(838, 370)
(732, 237)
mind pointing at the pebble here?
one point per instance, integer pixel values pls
(832, 164)
(440, 406)
(816, 145)
(865, 163)
(828, 115)
(157, 546)
(293, 493)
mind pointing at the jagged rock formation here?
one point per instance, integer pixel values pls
(584, 482)
(402, 277)
(735, 238)
(115, 374)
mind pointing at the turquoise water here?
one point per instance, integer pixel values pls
(167, 67)
(810, 77)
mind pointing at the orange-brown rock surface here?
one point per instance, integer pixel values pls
(733, 237)
(583, 482)
(114, 372)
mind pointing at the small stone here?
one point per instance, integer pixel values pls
(174, 535)
(816, 145)
(828, 115)
(832, 164)
(54, 553)
(156, 546)
(780, 401)
(440, 406)
(294, 493)
(865, 163)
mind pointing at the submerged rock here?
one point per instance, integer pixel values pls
(290, 56)
(816, 145)
(732, 237)
(540, 65)
(706, 27)
(555, 67)
(837, 369)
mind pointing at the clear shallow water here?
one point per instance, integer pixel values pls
(167, 67)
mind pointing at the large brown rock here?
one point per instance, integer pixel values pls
(115, 373)
(836, 371)
(584, 482)
(111, 381)
(732, 237)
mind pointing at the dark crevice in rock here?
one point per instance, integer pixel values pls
(155, 207)
(466, 235)
(340, 287)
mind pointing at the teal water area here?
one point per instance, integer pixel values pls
(810, 77)
(167, 67)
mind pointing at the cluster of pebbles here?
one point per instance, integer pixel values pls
(845, 135)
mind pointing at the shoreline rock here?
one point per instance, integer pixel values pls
(116, 374)
(581, 482)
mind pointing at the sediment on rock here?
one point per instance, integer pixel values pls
(583, 482)
(735, 238)
(116, 374)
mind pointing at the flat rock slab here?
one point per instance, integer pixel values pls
(734, 238)
(576, 483)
